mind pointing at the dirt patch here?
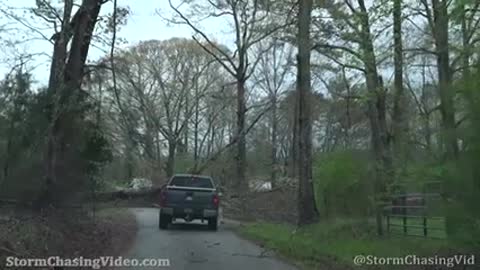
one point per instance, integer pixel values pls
(121, 227)
(26, 234)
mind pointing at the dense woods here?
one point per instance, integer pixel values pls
(347, 100)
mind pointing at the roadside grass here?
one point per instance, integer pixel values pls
(337, 242)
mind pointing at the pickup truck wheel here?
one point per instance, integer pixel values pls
(213, 224)
(163, 221)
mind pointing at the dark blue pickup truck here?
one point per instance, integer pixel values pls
(189, 197)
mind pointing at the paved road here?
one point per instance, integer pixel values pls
(193, 247)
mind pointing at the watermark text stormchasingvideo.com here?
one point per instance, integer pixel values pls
(448, 261)
(94, 263)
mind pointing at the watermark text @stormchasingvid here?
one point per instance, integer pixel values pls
(448, 261)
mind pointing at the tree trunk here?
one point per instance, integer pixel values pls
(307, 210)
(348, 140)
(467, 50)
(211, 141)
(66, 75)
(170, 166)
(187, 126)
(376, 107)
(196, 124)
(440, 16)
(8, 148)
(149, 140)
(400, 125)
(241, 157)
(273, 173)
(292, 170)
(55, 85)
(158, 151)
(424, 113)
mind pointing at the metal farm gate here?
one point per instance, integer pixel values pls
(415, 210)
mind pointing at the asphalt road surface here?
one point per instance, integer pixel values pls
(193, 247)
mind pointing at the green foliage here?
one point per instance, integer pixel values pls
(463, 176)
(414, 176)
(22, 129)
(96, 149)
(419, 172)
(96, 153)
(23, 133)
(342, 183)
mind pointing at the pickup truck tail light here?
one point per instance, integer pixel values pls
(163, 198)
(216, 200)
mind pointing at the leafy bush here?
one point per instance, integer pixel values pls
(463, 177)
(342, 184)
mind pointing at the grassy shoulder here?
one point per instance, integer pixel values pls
(334, 244)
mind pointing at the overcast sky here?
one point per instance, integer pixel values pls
(143, 24)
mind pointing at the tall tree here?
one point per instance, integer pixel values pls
(166, 83)
(66, 75)
(354, 31)
(272, 77)
(447, 109)
(438, 19)
(250, 19)
(307, 210)
(376, 110)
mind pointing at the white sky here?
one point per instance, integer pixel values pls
(142, 24)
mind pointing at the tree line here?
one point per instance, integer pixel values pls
(302, 84)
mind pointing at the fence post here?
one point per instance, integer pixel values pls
(379, 218)
(424, 204)
(388, 223)
(424, 225)
(404, 212)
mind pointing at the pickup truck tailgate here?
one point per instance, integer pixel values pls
(195, 198)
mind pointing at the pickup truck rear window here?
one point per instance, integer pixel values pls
(188, 181)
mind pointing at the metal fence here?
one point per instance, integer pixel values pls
(413, 213)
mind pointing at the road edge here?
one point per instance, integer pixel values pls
(236, 225)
